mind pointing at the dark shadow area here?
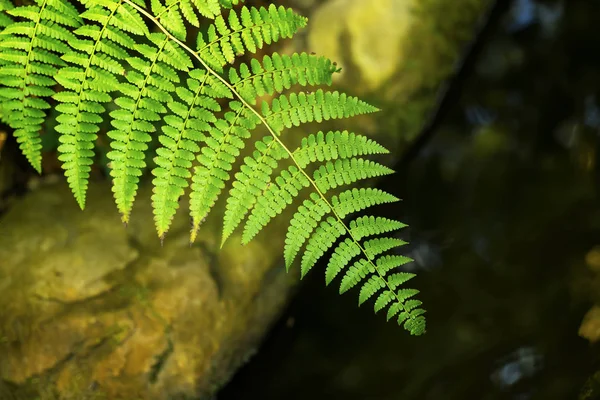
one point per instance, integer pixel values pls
(502, 203)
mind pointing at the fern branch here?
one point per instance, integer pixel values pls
(183, 132)
(253, 28)
(173, 14)
(279, 72)
(149, 89)
(88, 83)
(30, 50)
(414, 323)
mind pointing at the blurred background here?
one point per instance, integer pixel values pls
(491, 109)
(501, 194)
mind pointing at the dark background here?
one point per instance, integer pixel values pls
(500, 192)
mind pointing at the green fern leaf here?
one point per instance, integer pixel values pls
(30, 50)
(377, 246)
(355, 200)
(303, 223)
(250, 30)
(221, 150)
(149, 88)
(345, 172)
(288, 184)
(357, 272)
(280, 72)
(252, 179)
(383, 300)
(172, 13)
(274, 200)
(108, 48)
(187, 126)
(292, 110)
(324, 237)
(335, 145)
(297, 110)
(247, 186)
(96, 63)
(369, 226)
(372, 286)
(5, 19)
(388, 263)
(344, 252)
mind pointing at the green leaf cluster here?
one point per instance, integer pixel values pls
(129, 66)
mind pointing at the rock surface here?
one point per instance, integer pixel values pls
(91, 308)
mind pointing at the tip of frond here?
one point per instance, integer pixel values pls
(81, 203)
(303, 272)
(193, 234)
(162, 240)
(125, 219)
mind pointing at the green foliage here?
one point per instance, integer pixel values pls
(127, 62)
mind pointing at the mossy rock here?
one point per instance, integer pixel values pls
(90, 308)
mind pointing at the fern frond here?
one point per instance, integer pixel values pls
(185, 128)
(255, 174)
(287, 185)
(322, 239)
(335, 145)
(31, 50)
(295, 109)
(252, 179)
(369, 225)
(221, 150)
(95, 64)
(371, 265)
(150, 85)
(172, 13)
(280, 72)
(345, 172)
(278, 195)
(351, 201)
(109, 49)
(5, 20)
(344, 252)
(283, 112)
(377, 246)
(250, 30)
(355, 200)
(303, 223)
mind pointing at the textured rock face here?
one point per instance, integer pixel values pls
(90, 308)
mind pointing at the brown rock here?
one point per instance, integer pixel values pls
(90, 307)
